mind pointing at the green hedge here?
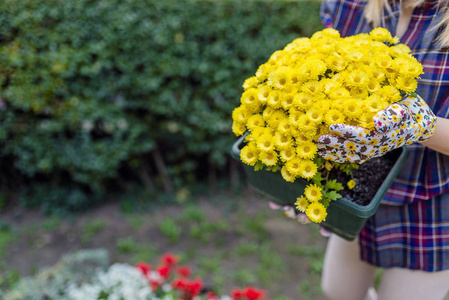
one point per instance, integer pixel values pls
(97, 94)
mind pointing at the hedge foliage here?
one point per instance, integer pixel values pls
(95, 94)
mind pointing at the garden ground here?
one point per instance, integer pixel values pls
(230, 241)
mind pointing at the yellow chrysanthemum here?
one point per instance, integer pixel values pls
(315, 114)
(313, 193)
(357, 78)
(268, 112)
(390, 94)
(301, 138)
(311, 69)
(380, 34)
(352, 108)
(250, 82)
(375, 103)
(399, 49)
(305, 123)
(306, 150)
(351, 184)
(366, 121)
(339, 93)
(359, 93)
(282, 141)
(336, 63)
(334, 116)
(383, 60)
(316, 212)
(241, 114)
(277, 55)
(331, 32)
(287, 175)
(301, 44)
(274, 99)
(276, 117)
(249, 155)
(338, 78)
(308, 169)
(408, 66)
(250, 99)
(265, 142)
(287, 100)
(303, 100)
(280, 78)
(287, 154)
(294, 166)
(238, 128)
(301, 203)
(406, 84)
(373, 85)
(262, 72)
(312, 87)
(255, 121)
(268, 158)
(329, 85)
(263, 92)
(378, 74)
(284, 126)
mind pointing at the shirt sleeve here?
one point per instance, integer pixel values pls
(327, 12)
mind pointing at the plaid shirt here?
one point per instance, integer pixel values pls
(404, 232)
(426, 173)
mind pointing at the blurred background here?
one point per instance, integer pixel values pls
(115, 135)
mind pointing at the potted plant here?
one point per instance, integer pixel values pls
(293, 99)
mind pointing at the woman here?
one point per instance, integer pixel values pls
(409, 234)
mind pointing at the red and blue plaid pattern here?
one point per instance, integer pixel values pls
(406, 232)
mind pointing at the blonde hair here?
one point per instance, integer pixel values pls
(374, 13)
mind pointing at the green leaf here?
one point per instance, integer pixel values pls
(317, 177)
(319, 161)
(333, 195)
(334, 185)
(258, 166)
(325, 201)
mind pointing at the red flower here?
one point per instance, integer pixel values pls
(143, 267)
(253, 294)
(154, 285)
(184, 271)
(164, 272)
(237, 294)
(178, 284)
(169, 259)
(194, 287)
(211, 296)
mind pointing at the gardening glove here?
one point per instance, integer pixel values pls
(402, 123)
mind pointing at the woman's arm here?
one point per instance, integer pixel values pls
(439, 141)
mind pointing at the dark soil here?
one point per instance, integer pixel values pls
(368, 177)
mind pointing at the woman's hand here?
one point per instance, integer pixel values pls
(408, 121)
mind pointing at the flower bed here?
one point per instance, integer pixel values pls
(167, 281)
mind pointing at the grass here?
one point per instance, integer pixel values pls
(90, 229)
(135, 221)
(126, 245)
(51, 224)
(9, 278)
(6, 237)
(170, 230)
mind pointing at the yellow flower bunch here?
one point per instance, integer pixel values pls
(312, 83)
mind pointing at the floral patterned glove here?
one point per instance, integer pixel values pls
(405, 122)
